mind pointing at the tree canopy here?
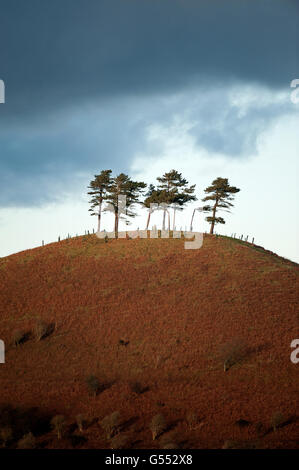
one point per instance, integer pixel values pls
(221, 193)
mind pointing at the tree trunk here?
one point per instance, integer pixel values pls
(213, 218)
(116, 224)
(212, 227)
(164, 217)
(148, 220)
(168, 221)
(173, 224)
(99, 217)
(191, 224)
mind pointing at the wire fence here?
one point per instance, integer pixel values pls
(90, 232)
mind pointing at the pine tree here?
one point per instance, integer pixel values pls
(197, 209)
(122, 185)
(153, 196)
(99, 188)
(176, 192)
(221, 193)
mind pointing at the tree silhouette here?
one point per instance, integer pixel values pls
(99, 188)
(176, 193)
(122, 185)
(153, 196)
(221, 193)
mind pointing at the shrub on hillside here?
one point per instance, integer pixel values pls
(23, 420)
(169, 441)
(242, 423)
(158, 361)
(110, 424)
(6, 435)
(192, 419)
(158, 425)
(80, 422)
(40, 330)
(27, 442)
(93, 384)
(277, 420)
(18, 337)
(260, 429)
(137, 388)
(232, 353)
(58, 424)
(120, 441)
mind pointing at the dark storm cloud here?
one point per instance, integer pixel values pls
(44, 160)
(57, 54)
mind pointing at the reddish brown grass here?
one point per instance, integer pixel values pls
(175, 308)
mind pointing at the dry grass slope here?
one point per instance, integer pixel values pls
(152, 313)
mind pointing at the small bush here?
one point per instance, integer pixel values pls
(260, 429)
(137, 387)
(77, 440)
(158, 425)
(58, 424)
(110, 424)
(40, 330)
(27, 442)
(277, 420)
(158, 361)
(80, 422)
(6, 435)
(242, 423)
(160, 403)
(232, 353)
(93, 384)
(170, 445)
(18, 337)
(169, 442)
(119, 441)
(192, 419)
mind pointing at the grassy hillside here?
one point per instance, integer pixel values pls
(157, 325)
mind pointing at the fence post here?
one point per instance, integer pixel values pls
(253, 240)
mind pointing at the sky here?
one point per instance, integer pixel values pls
(141, 87)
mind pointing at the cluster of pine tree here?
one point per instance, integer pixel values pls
(172, 191)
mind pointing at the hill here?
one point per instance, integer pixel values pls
(157, 325)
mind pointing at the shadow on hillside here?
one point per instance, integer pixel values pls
(282, 424)
(126, 424)
(22, 420)
(77, 440)
(252, 351)
(49, 330)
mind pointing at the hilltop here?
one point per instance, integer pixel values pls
(156, 324)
